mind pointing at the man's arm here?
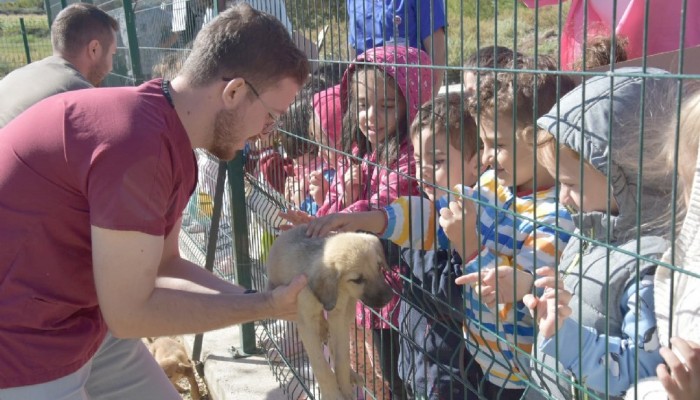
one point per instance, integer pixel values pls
(435, 46)
(144, 288)
(182, 274)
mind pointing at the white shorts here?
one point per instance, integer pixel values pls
(121, 369)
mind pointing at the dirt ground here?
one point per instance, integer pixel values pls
(202, 388)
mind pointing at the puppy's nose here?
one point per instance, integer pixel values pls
(379, 297)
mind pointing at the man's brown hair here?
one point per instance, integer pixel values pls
(448, 114)
(501, 93)
(245, 43)
(79, 24)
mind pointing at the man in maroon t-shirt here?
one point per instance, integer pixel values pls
(92, 186)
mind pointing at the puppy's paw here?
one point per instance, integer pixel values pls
(350, 393)
(179, 388)
(356, 378)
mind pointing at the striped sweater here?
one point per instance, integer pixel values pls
(526, 242)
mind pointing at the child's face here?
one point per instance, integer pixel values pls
(501, 148)
(319, 136)
(590, 196)
(379, 104)
(469, 82)
(440, 164)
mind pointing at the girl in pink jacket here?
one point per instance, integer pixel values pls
(380, 94)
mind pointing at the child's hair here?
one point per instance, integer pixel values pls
(388, 150)
(688, 124)
(485, 57)
(169, 66)
(447, 114)
(523, 90)
(294, 128)
(327, 74)
(599, 52)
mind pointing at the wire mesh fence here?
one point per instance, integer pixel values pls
(23, 39)
(511, 141)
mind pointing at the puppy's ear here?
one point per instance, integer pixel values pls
(183, 367)
(324, 285)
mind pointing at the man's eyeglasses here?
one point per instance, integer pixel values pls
(275, 120)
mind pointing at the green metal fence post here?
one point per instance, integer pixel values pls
(24, 40)
(240, 237)
(211, 251)
(47, 6)
(64, 4)
(134, 52)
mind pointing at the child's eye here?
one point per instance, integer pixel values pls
(439, 162)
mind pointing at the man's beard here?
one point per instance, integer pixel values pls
(225, 145)
(96, 75)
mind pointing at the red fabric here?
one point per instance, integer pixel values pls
(328, 108)
(117, 158)
(275, 170)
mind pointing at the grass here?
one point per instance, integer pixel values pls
(471, 24)
(12, 53)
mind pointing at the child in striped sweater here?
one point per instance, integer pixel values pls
(513, 225)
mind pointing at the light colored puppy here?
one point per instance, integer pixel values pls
(172, 357)
(341, 269)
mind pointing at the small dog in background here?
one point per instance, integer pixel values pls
(171, 355)
(341, 269)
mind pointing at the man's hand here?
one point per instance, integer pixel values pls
(318, 187)
(283, 299)
(683, 363)
(458, 220)
(506, 283)
(550, 314)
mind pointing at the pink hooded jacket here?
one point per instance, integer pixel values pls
(384, 184)
(329, 110)
(663, 30)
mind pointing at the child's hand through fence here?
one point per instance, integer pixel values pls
(458, 221)
(680, 376)
(353, 184)
(294, 190)
(552, 308)
(369, 221)
(295, 218)
(521, 282)
(318, 187)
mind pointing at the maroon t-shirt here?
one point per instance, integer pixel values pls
(117, 158)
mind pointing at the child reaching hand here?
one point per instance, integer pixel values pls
(379, 98)
(605, 335)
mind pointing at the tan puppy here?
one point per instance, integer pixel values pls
(341, 269)
(172, 357)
